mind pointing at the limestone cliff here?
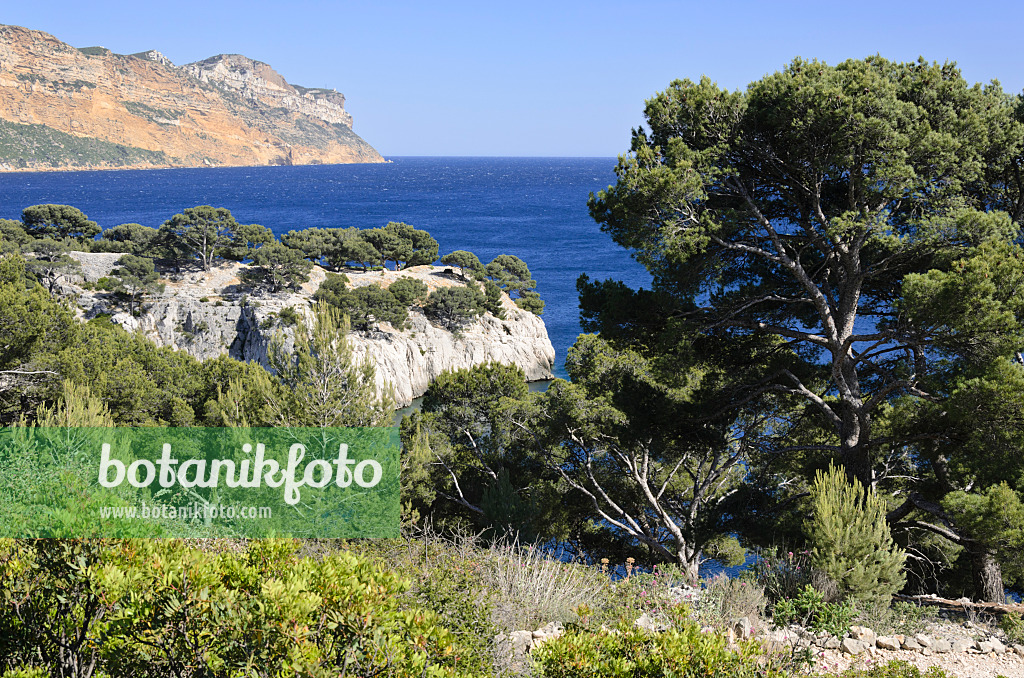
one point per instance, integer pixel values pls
(209, 314)
(85, 108)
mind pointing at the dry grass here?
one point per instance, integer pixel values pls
(531, 588)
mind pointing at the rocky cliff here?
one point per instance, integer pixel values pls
(209, 314)
(85, 108)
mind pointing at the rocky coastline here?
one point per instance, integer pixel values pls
(211, 313)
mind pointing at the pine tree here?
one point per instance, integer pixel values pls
(851, 540)
(322, 382)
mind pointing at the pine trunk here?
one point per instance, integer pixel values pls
(988, 577)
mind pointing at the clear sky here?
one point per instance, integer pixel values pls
(531, 78)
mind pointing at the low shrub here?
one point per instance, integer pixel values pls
(288, 316)
(784, 574)
(1012, 624)
(628, 651)
(894, 669)
(810, 610)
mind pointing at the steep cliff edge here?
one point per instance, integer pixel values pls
(64, 107)
(209, 314)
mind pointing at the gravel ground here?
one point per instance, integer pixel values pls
(962, 665)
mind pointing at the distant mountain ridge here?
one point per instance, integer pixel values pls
(69, 108)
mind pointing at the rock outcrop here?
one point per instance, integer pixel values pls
(87, 108)
(209, 314)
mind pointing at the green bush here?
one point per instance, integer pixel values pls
(631, 652)
(1012, 624)
(153, 608)
(288, 316)
(894, 669)
(810, 610)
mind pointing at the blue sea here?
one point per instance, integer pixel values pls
(534, 208)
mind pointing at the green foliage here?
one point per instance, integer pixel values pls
(877, 210)
(465, 261)
(851, 541)
(623, 411)
(403, 244)
(995, 518)
(13, 234)
(201, 232)
(30, 145)
(454, 307)
(33, 327)
(58, 221)
(531, 301)
(136, 278)
(492, 300)
(245, 239)
(51, 262)
(810, 610)
(631, 652)
(464, 423)
(364, 306)
(278, 268)
(1012, 624)
(512, 275)
(350, 246)
(896, 668)
(319, 382)
(332, 289)
(152, 608)
(461, 600)
(288, 316)
(138, 239)
(409, 291)
(312, 242)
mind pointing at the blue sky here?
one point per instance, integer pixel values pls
(532, 78)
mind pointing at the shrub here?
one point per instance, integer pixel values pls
(152, 608)
(1012, 624)
(851, 540)
(894, 669)
(365, 306)
(810, 610)
(784, 574)
(492, 300)
(288, 316)
(628, 651)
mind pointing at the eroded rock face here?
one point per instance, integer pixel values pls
(209, 314)
(261, 84)
(226, 110)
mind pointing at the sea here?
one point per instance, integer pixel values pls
(534, 208)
